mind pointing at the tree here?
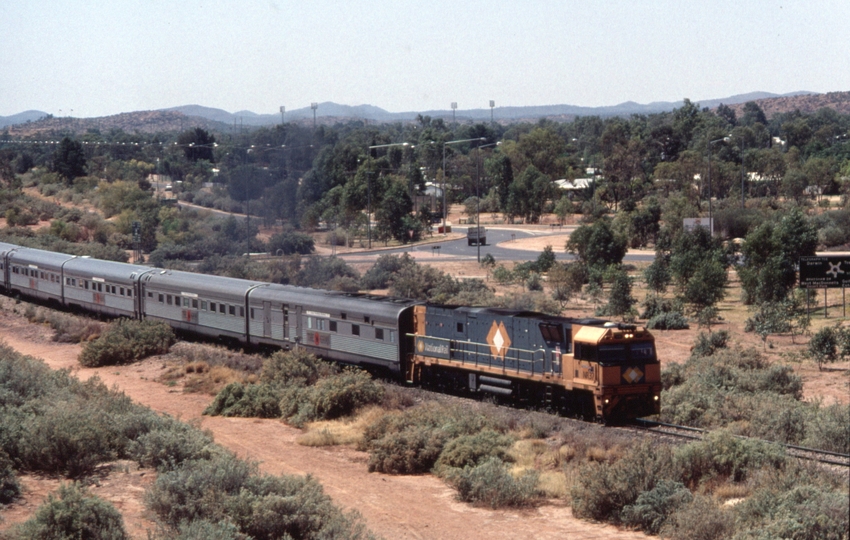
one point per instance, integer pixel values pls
(197, 144)
(620, 300)
(69, 161)
(771, 252)
(391, 213)
(528, 194)
(698, 268)
(597, 245)
(753, 114)
(823, 346)
(770, 318)
(565, 280)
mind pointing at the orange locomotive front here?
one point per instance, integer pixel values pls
(586, 367)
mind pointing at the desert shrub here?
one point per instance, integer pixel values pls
(410, 441)
(66, 328)
(652, 508)
(722, 454)
(708, 344)
(331, 397)
(471, 450)
(702, 519)
(604, 489)
(655, 305)
(295, 368)
(668, 321)
(414, 450)
(829, 428)
(262, 507)
(201, 528)
(491, 483)
(170, 444)
(380, 275)
(343, 393)
(289, 242)
(796, 504)
(9, 486)
(251, 401)
(69, 439)
(74, 514)
(126, 341)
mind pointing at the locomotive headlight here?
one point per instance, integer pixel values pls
(606, 401)
(655, 398)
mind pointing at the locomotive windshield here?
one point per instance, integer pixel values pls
(617, 352)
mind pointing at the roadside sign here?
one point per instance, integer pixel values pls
(830, 272)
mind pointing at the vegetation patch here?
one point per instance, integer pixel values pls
(127, 341)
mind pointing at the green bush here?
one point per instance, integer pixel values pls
(702, 519)
(802, 503)
(829, 428)
(708, 344)
(331, 397)
(170, 444)
(604, 489)
(248, 401)
(652, 508)
(10, 489)
(201, 528)
(722, 454)
(668, 321)
(261, 507)
(127, 341)
(491, 483)
(72, 515)
(471, 450)
(70, 439)
(414, 450)
(295, 368)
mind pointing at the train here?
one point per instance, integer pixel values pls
(586, 367)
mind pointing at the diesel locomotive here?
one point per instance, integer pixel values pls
(587, 367)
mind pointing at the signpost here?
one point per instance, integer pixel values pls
(828, 272)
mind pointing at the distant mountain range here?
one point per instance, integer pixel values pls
(179, 118)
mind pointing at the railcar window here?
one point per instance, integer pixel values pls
(585, 351)
(168, 299)
(320, 324)
(221, 308)
(379, 333)
(86, 285)
(194, 303)
(642, 351)
(355, 329)
(252, 313)
(343, 316)
(612, 352)
(310, 322)
(150, 294)
(366, 319)
(392, 336)
(212, 307)
(161, 298)
(333, 326)
(241, 311)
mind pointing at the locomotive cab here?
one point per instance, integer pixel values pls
(618, 364)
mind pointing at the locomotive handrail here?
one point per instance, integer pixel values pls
(475, 353)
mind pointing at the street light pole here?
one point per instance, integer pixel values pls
(478, 193)
(710, 221)
(369, 189)
(445, 210)
(742, 173)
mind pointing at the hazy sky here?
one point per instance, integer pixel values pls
(101, 57)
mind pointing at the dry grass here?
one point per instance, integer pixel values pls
(731, 491)
(343, 431)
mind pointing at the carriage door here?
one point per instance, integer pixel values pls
(267, 319)
(285, 309)
(298, 324)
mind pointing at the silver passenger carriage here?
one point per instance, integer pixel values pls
(351, 328)
(37, 273)
(5, 250)
(202, 304)
(107, 287)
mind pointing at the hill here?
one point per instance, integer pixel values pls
(809, 103)
(32, 123)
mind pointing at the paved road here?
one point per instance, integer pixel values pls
(498, 245)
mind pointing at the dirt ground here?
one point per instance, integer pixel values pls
(395, 507)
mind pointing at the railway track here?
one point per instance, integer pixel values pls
(691, 433)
